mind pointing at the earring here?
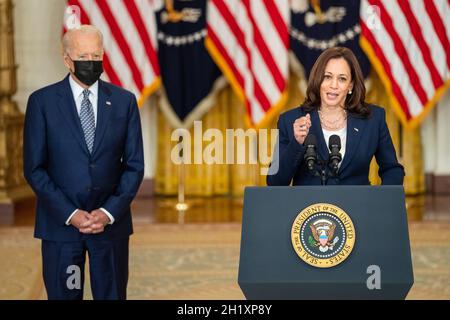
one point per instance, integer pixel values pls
(350, 92)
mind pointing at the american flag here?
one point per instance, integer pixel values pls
(249, 41)
(129, 36)
(408, 44)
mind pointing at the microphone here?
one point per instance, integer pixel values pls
(334, 144)
(310, 153)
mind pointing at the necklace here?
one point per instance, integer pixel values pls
(335, 124)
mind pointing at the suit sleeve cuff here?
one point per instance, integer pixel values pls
(297, 149)
(70, 217)
(111, 218)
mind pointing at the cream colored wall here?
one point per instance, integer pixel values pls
(442, 127)
(436, 138)
(38, 25)
(37, 32)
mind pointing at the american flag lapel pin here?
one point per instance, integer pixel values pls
(108, 103)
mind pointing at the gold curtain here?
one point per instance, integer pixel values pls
(231, 179)
(407, 142)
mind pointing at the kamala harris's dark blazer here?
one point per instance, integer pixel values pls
(366, 137)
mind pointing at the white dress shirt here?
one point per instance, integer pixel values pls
(77, 92)
(342, 133)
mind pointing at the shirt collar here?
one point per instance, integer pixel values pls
(77, 90)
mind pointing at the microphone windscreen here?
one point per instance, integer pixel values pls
(334, 140)
(310, 140)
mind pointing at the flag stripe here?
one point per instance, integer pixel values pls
(109, 70)
(222, 10)
(259, 94)
(437, 50)
(268, 86)
(229, 39)
(237, 31)
(126, 25)
(272, 39)
(439, 27)
(399, 73)
(251, 87)
(403, 30)
(401, 51)
(408, 43)
(146, 9)
(277, 20)
(117, 60)
(123, 44)
(252, 41)
(387, 68)
(264, 50)
(423, 46)
(144, 36)
(225, 55)
(129, 37)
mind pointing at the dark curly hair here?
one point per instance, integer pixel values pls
(354, 103)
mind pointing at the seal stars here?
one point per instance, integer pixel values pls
(323, 235)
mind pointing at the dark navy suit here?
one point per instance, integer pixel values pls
(366, 137)
(66, 177)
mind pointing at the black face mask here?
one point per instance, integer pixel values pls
(88, 71)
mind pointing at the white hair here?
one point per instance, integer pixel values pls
(86, 29)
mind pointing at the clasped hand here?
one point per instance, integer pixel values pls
(90, 223)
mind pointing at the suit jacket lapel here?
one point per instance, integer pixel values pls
(316, 129)
(104, 107)
(355, 129)
(68, 109)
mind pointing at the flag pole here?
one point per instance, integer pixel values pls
(181, 205)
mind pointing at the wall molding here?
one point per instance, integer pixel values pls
(437, 184)
(441, 184)
(147, 188)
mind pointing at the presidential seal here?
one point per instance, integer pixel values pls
(323, 235)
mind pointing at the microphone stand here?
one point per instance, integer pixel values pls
(322, 170)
